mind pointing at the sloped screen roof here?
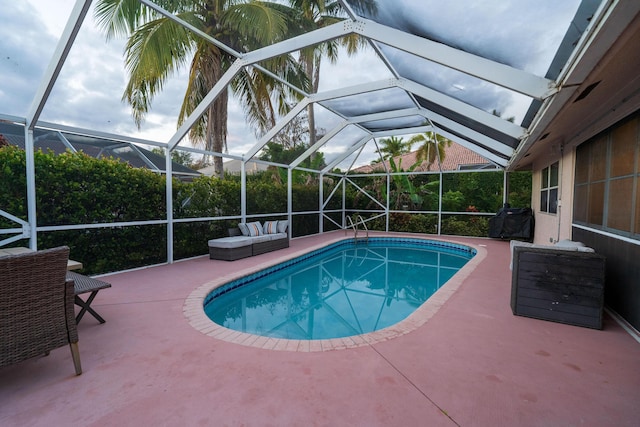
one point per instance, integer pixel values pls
(524, 36)
(474, 72)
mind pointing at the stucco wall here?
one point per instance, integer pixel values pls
(553, 227)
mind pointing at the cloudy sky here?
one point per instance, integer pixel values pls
(89, 89)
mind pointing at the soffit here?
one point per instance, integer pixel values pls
(603, 88)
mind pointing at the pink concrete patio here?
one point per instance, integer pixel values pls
(472, 363)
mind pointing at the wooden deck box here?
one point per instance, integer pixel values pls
(558, 285)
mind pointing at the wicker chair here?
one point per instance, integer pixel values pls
(36, 306)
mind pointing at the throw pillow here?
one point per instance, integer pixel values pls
(270, 227)
(255, 229)
(244, 229)
(282, 226)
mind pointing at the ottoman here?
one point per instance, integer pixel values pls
(230, 248)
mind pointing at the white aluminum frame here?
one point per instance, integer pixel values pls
(519, 81)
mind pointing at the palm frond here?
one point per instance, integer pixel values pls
(252, 88)
(254, 24)
(366, 7)
(205, 70)
(154, 52)
(195, 92)
(260, 92)
(119, 18)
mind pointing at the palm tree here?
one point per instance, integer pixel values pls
(433, 147)
(315, 14)
(157, 48)
(394, 147)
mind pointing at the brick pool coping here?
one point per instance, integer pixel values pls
(194, 311)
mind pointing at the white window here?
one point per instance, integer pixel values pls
(549, 189)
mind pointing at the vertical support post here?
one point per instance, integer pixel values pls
(505, 187)
(290, 201)
(321, 203)
(344, 202)
(386, 214)
(40, 98)
(439, 227)
(243, 190)
(31, 187)
(169, 197)
(435, 147)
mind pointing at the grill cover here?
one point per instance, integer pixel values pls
(512, 223)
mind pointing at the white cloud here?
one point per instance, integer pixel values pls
(89, 89)
(24, 49)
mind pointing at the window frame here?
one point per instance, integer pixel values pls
(601, 200)
(549, 188)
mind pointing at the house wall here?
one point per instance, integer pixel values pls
(622, 285)
(618, 145)
(550, 227)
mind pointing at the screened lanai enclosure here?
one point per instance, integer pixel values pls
(313, 102)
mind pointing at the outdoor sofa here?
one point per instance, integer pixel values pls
(249, 239)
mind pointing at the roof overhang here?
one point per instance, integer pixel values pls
(600, 87)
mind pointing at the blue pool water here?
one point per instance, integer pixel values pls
(345, 289)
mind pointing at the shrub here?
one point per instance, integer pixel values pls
(73, 188)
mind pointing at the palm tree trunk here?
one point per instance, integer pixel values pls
(310, 69)
(216, 136)
(219, 112)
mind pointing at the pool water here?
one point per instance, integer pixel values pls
(349, 288)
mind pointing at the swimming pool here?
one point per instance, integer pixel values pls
(346, 289)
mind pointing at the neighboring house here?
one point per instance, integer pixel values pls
(60, 142)
(233, 167)
(456, 157)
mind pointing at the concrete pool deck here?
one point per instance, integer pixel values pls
(472, 363)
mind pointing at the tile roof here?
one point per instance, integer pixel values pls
(456, 157)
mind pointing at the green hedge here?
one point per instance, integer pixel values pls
(74, 188)
(78, 189)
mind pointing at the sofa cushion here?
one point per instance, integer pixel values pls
(282, 226)
(255, 229)
(276, 236)
(261, 238)
(230, 242)
(270, 227)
